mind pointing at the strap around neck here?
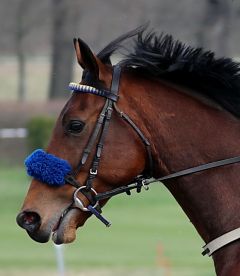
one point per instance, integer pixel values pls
(221, 241)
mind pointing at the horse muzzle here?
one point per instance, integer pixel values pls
(30, 221)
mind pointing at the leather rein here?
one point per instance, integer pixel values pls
(97, 138)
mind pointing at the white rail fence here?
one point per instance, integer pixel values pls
(60, 259)
(7, 133)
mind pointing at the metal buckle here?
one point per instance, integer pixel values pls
(145, 187)
(79, 203)
(93, 172)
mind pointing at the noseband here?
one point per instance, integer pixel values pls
(46, 165)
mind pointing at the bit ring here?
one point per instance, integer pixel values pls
(78, 202)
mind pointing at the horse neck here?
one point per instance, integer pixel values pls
(185, 132)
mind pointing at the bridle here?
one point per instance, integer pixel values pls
(97, 139)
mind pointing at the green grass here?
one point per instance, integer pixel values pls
(142, 224)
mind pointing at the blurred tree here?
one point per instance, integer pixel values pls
(28, 17)
(216, 26)
(39, 131)
(66, 15)
(21, 31)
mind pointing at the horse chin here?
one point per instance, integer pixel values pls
(66, 229)
(39, 237)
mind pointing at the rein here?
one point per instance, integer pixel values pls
(142, 181)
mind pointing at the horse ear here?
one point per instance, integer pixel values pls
(86, 59)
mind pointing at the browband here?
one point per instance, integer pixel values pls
(76, 87)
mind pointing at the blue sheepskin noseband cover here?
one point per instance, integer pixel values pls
(47, 168)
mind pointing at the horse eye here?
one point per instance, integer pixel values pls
(75, 126)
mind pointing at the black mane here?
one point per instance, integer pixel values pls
(163, 57)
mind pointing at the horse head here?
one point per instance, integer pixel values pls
(48, 208)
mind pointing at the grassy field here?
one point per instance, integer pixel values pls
(150, 235)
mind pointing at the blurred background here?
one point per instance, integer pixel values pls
(150, 234)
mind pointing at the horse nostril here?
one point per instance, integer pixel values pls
(30, 221)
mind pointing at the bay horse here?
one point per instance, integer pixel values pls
(164, 108)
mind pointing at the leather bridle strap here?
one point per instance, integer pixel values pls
(145, 141)
(145, 182)
(197, 169)
(101, 122)
(108, 114)
(92, 139)
(98, 136)
(95, 164)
